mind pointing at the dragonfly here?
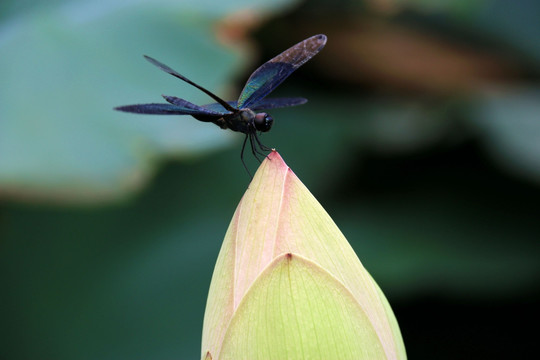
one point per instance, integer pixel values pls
(242, 115)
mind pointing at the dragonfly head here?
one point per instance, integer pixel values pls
(263, 122)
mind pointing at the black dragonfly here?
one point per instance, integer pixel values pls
(241, 115)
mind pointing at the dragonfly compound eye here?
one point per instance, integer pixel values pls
(263, 122)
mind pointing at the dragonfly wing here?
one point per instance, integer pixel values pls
(176, 107)
(158, 109)
(217, 107)
(274, 103)
(195, 109)
(267, 77)
(181, 77)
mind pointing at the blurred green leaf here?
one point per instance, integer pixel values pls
(511, 23)
(509, 122)
(514, 23)
(128, 281)
(457, 7)
(65, 67)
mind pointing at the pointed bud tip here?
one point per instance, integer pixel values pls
(274, 155)
(275, 162)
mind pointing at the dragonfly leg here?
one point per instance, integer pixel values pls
(242, 156)
(261, 145)
(254, 149)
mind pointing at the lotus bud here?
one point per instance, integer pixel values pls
(287, 284)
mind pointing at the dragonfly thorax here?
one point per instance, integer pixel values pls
(248, 122)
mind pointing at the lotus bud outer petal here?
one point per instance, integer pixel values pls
(287, 284)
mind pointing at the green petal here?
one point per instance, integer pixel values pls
(296, 310)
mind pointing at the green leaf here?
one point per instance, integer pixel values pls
(63, 69)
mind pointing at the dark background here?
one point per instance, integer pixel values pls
(421, 139)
